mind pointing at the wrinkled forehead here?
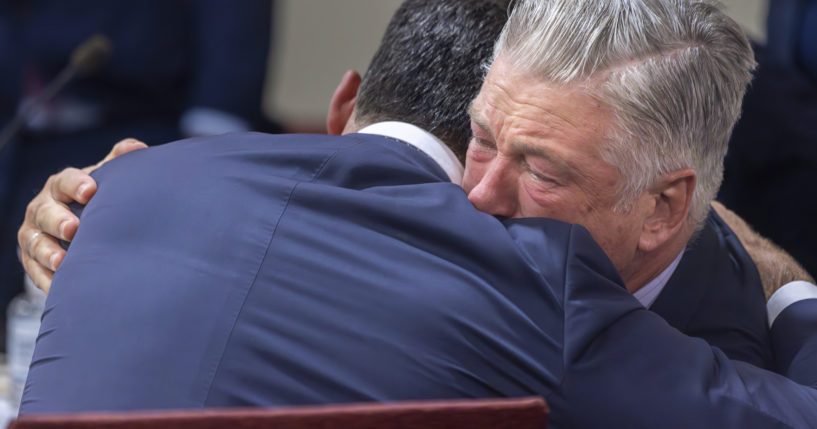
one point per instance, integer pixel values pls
(511, 93)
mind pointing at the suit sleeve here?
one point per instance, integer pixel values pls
(794, 338)
(625, 364)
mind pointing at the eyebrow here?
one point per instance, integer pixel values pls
(477, 119)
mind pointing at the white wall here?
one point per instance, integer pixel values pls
(751, 14)
(318, 40)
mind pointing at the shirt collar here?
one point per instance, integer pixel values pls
(650, 291)
(422, 140)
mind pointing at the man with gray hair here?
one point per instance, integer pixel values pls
(616, 115)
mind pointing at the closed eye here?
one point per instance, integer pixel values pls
(483, 143)
(539, 176)
(481, 150)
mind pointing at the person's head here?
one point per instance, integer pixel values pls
(428, 68)
(613, 114)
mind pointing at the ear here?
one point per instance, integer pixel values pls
(672, 197)
(343, 103)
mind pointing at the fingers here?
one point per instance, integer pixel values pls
(55, 219)
(48, 218)
(41, 255)
(119, 149)
(40, 275)
(77, 185)
(40, 247)
(125, 146)
(48, 211)
(71, 185)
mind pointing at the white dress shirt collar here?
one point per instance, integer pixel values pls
(422, 140)
(650, 291)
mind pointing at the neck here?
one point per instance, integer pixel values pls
(352, 126)
(646, 266)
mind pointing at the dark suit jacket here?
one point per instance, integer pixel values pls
(716, 294)
(267, 270)
(794, 341)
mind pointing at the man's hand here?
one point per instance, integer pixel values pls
(48, 218)
(776, 267)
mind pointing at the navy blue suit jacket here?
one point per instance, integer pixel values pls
(716, 294)
(269, 270)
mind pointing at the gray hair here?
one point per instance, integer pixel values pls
(673, 71)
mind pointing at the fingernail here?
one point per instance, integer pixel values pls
(52, 262)
(82, 188)
(62, 227)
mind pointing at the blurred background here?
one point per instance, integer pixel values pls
(310, 59)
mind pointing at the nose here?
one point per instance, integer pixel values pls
(496, 192)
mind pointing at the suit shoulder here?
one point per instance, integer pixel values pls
(372, 160)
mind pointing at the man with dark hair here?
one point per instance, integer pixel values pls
(409, 80)
(191, 313)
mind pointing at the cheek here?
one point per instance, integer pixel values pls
(617, 235)
(550, 200)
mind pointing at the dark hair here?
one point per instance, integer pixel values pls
(430, 66)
